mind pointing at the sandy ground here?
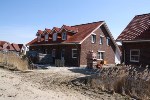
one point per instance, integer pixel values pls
(49, 84)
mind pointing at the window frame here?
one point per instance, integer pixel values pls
(101, 39)
(63, 36)
(92, 38)
(108, 41)
(46, 37)
(131, 60)
(74, 53)
(100, 55)
(39, 38)
(55, 37)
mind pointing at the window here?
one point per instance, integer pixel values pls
(108, 41)
(53, 52)
(134, 55)
(100, 55)
(46, 37)
(64, 36)
(101, 40)
(39, 38)
(74, 53)
(54, 36)
(93, 38)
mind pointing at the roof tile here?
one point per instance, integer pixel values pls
(79, 33)
(137, 29)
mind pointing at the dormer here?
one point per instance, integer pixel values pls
(65, 29)
(54, 33)
(64, 36)
(46, 34)
(68, 29)
(39, 35)
(55, 37)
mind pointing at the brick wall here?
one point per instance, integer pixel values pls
(86, 46)
(83, 49)
(69, 61)
(144, 52)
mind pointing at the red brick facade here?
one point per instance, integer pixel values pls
(109, 51)
(136, 37)
(144, 49)
(83, 46)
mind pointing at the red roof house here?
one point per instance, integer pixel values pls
(5, 45)
(16, 47)
(10, 47)
(135, 40)
(2, 43)
(72, 43)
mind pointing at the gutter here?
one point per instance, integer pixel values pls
(54, 44)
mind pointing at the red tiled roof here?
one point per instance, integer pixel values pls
(34, 41)
(2, 43)
(40, 32)
(48, 30)
(16, 47)
(12, 47)
(9, 47)
(82, 31)
(69, 28)
(57, 29)
(137, 29)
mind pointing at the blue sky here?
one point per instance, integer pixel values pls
(20, 19)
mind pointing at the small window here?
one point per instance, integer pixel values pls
(54, 36)
(101, 40)
(100, 55)
(134, 55)
(53, 52)
(64, 36)
(39, 38)
(93, 38)
(74, 53)
(108, 41)
(46, 37)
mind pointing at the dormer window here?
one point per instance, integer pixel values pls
(39, 38)
(54, 36)
(46, 37)
(64, 36)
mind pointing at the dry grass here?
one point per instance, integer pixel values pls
(126, 80)
(13, 61)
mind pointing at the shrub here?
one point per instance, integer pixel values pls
(126, 80)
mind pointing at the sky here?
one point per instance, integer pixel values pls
(21, 19)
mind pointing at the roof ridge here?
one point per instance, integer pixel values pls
(87, 23)
(143, 14)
